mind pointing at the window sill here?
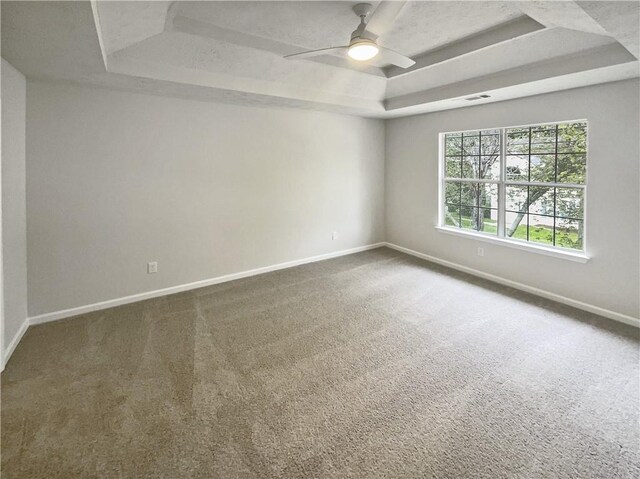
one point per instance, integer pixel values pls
(532, 248)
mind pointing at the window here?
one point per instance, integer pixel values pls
(524, 184)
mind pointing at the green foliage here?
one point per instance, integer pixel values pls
(570, 202)
(541, 154)
(566, 237)
(561, 161)
(472, 155)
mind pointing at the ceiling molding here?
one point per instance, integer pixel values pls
(158, 48)
(124, 65)
(625, 27)
(126, 23)
(191, 26)
(617, 19)
(622, 72)
(564, 14)
(199, 28)
(488, 38)
(592, 59)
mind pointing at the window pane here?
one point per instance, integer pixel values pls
(572, 137)
(453, 167)
(568, 147)
(470, 167)
(488, 220)
(452, 193)
(570, 202)
(488, 195)
(543, 139)
(469, 194)
(540, 200)
(541, 229)
(467, 214)
(539, 155)
(490, 144)
(516, 225)
(572, 168)
(518, 167)
(518, 140)
(569, 233)
(479, 219)
(516, 199)
(543, 168)
(489, 167)
(471, 144)
(453, 145)
(461, 206)
(452, 215)
(491, 132)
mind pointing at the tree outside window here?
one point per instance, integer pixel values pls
(533, 189)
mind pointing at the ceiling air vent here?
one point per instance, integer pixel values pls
(479, 97)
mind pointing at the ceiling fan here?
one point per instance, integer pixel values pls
(363, 46)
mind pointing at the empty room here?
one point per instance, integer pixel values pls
(320, 239)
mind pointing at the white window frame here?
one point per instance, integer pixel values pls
(500, 238)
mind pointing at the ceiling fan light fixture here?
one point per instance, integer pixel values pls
(362, 46)
(363, 51)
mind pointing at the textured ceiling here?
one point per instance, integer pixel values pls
(424, 26)
(233, 51)
(420, 26)
(309, 25)
(208, 55)
(515, 53)
(125, 23)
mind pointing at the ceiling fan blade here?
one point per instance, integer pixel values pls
(315, 53)
(387, 56)
(383, 17)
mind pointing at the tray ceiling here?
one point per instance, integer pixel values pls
(233, 51)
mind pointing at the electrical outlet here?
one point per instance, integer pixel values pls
(480, 251)
(334, 236)
(152, 267)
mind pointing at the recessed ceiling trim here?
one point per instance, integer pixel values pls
(192, 26)
(624, 71)
(624, 28)
(592, 59)
(488, 38)
(565, 14)
(123, 65)
(149, 59)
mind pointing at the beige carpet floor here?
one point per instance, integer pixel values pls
(370, 365)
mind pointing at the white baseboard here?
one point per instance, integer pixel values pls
(67, 313)
(56, 315)
(14, 342)
(623, 318)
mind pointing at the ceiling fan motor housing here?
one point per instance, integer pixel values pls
(362, 9)
(360, 34)
(363, 45)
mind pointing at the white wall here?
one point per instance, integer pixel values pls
(14, 240)
(115, 180)
(610, 279)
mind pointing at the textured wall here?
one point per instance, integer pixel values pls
(115, 180)
(14, 241)
(610, 279)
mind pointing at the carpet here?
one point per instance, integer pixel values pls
(371, 365)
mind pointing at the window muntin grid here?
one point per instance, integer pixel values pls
(522, 183)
